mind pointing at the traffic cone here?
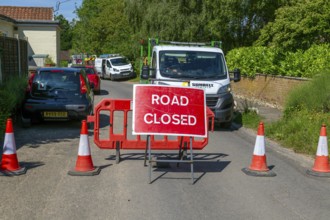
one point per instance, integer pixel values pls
(321, 164)
(9, 164)
(258, 165)
(84, 163)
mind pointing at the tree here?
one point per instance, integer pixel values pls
(65, 33)
(235, 22)
(298, 26)
(238, 23)
(103, 28)
(117, 26)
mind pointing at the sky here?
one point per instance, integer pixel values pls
(66, 7)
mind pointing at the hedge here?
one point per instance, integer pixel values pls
(267, 60)
(12, 93)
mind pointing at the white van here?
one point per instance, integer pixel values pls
(114, 67)
(195, 65)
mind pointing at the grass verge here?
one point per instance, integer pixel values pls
(306, 109)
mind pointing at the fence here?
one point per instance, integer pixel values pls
(13, 57)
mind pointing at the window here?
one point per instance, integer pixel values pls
(192, 65)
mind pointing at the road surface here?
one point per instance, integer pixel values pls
(122, 191)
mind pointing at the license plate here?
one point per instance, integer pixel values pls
(55, 114)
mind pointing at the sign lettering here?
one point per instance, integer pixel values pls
(169, 110)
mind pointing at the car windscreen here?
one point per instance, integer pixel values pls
(192, 65)
(53, 83)
(119, 61)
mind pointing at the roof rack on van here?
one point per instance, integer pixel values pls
(199, 44)
(108, 55)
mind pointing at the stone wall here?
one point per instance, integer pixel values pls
(266, 89)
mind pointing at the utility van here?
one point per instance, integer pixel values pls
(114, 66)
(199, 65)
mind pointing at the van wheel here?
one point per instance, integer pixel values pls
(112, 78)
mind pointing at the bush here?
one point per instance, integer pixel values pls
(64, 63)
(266, 60)
(306, 109)
(300, 131)
(12, 93)
(314, 96)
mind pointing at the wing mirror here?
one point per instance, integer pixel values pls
(147, 72)
(237, 75)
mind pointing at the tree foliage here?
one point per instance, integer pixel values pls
(65, 33)
(108, 25)
(298, 26)
(116, 26)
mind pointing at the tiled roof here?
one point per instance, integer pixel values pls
(27, 13)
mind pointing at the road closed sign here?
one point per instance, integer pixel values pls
(169, 110)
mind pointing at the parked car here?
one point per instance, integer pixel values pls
(93, 77)
(57, 94)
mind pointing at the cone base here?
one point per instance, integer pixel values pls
(318, 174)
(95, 171)
(20, 171)
(250, 172)
(259, 163)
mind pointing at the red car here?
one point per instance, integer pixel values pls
(92, 76)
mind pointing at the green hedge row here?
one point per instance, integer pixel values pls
(12, 93)
(253, 60)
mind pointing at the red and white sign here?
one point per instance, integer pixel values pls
(169, 110)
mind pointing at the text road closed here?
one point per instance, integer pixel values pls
(169, 110)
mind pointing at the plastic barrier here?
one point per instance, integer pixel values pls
(121, 140)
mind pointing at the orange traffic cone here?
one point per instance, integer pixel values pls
(9, 164)
(258, 165)
(84, 163)
(321, 164)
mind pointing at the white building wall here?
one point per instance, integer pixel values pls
(7, 28)
(42, 40)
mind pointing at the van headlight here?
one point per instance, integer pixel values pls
(115, 70)
(224, 89)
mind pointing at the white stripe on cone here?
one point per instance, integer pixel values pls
(9, 144)
(259, 147)
(84, 149)
(322, 148)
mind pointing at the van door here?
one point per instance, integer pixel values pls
(108, 69)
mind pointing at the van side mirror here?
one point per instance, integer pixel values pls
(237, 75)
(152, 73)
(145, 72)
(148, 72)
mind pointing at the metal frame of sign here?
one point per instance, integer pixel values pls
(148, 147)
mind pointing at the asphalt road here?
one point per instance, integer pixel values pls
(122, 191)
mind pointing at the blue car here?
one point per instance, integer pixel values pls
(57, 94)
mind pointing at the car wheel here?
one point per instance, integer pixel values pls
(25, 122)
(25, 119)
(225, 125)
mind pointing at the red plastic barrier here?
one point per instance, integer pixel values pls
(124, 105)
